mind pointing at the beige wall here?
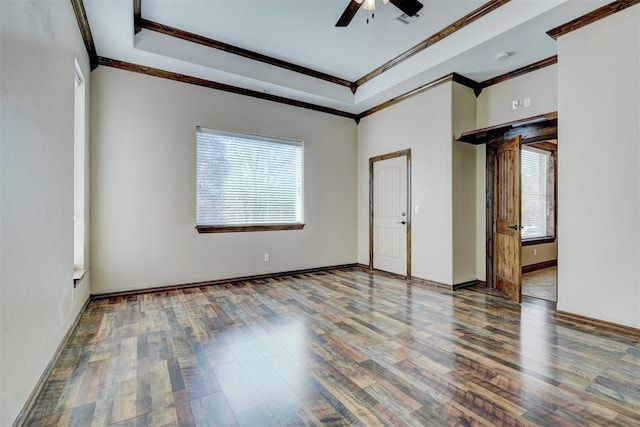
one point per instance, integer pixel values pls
(143, 185)
(463, 186)
(464, 212)
(39, 43)
(494, 108)
(494, 103)
(481, 212)
(422, 123)
(535, 254)
(599, 193)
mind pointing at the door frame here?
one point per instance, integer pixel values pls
(532, 129)
(372, 160)
(491, 152)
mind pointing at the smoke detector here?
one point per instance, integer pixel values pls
(504, 55)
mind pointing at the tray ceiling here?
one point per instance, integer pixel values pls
(303, 33)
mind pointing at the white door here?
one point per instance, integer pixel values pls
(390, 215)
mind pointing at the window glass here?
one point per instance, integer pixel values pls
(537, 194)
(247, 180)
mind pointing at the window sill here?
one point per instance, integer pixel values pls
(538, 241)
(246, 228)
(78, 275)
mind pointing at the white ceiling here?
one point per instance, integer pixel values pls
(303, 32)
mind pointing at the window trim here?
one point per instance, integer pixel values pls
(538, 241)
(203, 229)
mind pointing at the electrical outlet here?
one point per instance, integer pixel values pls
(266, 257)
(527, 102)
(535, 252)
(515, 104)
(417, 209)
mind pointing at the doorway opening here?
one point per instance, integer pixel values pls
(522, 246)
(539, 213)
(503, 205)
(389, 213)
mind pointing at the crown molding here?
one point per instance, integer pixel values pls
(137, 16)
(591, 17)
(235, 50)
(520, 71)
(183, 78)
(85, 31)
(466, 81)
(406, 95)
(469, 18)
(141, 23)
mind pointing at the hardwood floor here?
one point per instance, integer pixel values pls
(541, 284)
(338, 348)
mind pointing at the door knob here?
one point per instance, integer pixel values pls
(515, 227)
(402, 222)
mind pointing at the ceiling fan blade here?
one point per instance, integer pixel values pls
(348, 13)
(410, 7)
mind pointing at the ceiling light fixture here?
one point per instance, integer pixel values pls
(370, 5)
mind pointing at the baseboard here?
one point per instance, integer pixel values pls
(481, 283)
(363, 267)
(414, 279)
(218, 282)
(463, 285)
(579, 320)
(431, 283)
(539, 266)
(29, 404)
(366, 269)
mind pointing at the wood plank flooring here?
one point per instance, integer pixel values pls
(541, 284)
(337, 348)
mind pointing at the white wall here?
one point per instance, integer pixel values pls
(494, 108)
(599, 170)
(143, 185)
(39, 41)
(422, 123)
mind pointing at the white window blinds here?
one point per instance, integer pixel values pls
(247, 179)
(537, 193)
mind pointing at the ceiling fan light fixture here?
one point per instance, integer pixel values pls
(409, 7)
(369, 5)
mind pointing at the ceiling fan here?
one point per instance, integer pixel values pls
(410, 7)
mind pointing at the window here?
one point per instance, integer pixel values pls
(247, 182)
(79, 169)
(538, 210)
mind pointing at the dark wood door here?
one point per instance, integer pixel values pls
(506, 224)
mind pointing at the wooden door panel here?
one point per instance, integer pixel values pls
(507, 242)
